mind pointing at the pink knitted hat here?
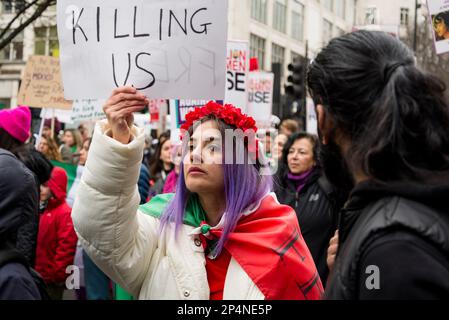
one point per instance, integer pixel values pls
(17, 122)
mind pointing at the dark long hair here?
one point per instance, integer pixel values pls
(155, 163)
(395, 115)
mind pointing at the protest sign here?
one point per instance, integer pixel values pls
(41, 85)
(88, 110)
(154, 107)
(237, 72)
(312, 119)
(178, 111)
(168, 49)
(260, 96)
(64, 116)
(439, 19)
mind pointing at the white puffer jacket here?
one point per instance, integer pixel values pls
(125, 243)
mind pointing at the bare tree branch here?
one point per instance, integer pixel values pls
(18, 15)
(41, 7)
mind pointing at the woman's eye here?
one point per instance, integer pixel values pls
(214, 148)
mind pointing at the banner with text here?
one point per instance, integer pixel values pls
(439, 19)
(237, 73)
(168, 49)
(88, 110)
(260, 96)
(41, 85)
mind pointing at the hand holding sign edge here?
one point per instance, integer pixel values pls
(119, 109)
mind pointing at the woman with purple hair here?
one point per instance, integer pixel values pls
(222, 235)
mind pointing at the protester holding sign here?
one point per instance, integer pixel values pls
(210, 240)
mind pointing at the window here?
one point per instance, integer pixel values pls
(259, 10)
(327, 31)
(295, 56)
(371, 15)
(404, 16)
(280, 15)
(298, 24)
(340, 8)
(46, 41)
(257, 48)
(278, 55)
(13, 6)
(14, 50)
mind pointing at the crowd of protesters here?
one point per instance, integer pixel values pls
(167, 219)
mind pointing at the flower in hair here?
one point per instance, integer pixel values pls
(228, 113)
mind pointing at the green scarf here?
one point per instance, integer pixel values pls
(194, 213)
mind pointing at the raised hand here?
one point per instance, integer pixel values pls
(119, 109)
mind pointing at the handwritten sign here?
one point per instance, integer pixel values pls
(439, 19)
(88, 110)
(41, 84)
(167, 49)
(237, 64)
(260, 95)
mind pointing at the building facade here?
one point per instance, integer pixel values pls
(387, 15)
(39, 38)
(278, 30)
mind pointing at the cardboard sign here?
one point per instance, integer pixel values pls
(41, 84)
(88, 110)
(260, 96)
(172, 49)
(237, 74)
(439, 19)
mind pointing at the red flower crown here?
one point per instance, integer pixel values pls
(228, 113)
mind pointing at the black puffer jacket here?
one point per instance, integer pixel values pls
(18, 202)
(394, 243)
(27, 233)
(317, 208)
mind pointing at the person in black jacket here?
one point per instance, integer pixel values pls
(301, 185)
(18, 202)
(384, 125)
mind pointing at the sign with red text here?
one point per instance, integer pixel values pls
(237, 63)
(260, 95)
(171, 49)
(41, 85)
(439, 19)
